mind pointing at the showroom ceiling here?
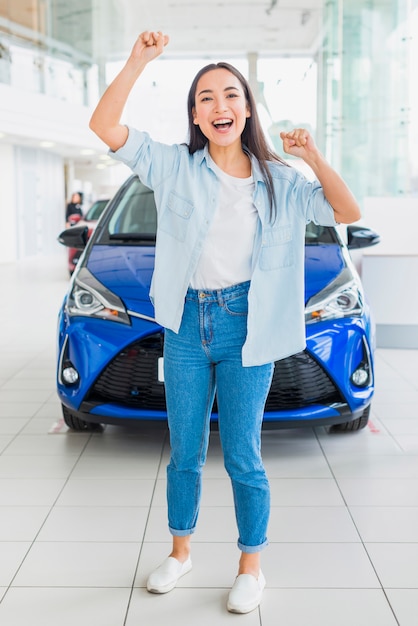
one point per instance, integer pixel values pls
(104, 30)
(108, 28)
(205, 27)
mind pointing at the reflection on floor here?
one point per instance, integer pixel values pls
(83, 520)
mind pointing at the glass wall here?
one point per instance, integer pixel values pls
(365, 93)
(44, 48)
(367, 113)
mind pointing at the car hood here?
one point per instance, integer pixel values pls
(127, 270)
(323, 263)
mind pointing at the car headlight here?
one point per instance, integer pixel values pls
(343, 297)
(91, 298)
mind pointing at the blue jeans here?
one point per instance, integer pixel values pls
(204, 357)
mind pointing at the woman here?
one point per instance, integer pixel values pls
(74, 207)
(227, 287)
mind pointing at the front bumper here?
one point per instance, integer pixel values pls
(118, 373)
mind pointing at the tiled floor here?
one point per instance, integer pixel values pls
(82, 516)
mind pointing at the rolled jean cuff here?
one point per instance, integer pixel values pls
(181, 533)
(252, 549)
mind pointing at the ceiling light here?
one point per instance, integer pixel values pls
(87, 151)
(47, 144)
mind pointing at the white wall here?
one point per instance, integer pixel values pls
(8, 248)
(390, 270)
(32, 186)
(25, 114)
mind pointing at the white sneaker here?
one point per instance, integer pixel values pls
(165, 577)
(246, 593)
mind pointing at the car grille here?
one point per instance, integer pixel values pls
(131, 380)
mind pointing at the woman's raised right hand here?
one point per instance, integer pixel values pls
(149, 45)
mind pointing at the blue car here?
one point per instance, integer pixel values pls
(110, 348)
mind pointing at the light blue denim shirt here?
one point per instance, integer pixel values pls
(186, 192)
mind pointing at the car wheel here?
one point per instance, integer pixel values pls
(356, 424)
(75, 423)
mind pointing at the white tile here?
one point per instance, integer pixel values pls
(119, 445)
(36, 466)
(66, 607)
(52, 410)
(40, 381)
(289, 442)
(406, 396)
(185, 607)
(401, 426)
(408, 443)
(11, 557)
(395, 410)
(376, 466)
(121, 467)
(82, 564)
(326, 607)
(304, 492)
(13, 425)
(4, 442)
(71, 445)
(24, 396)
(396, 563)
(365, 441)
(311, 524)
(21, 523)
(405, 605)
(29, 492)
(386, 524)
(18, 409)
(300, 466)
(109, 492)
(43, 426)
(94, 523)
(319, 565)
(379, 491)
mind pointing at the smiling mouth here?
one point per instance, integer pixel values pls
(222, 124)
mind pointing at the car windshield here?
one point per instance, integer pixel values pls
(134, 219)
(316, 235)
(134, 216)
(96, 209)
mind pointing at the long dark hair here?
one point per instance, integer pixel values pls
(252, 136)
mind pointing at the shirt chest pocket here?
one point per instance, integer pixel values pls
(175, 219)
(276, 248)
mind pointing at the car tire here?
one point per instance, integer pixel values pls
(79, 425)
(357, 424)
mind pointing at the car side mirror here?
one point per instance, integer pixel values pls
(74, 237)
(361, 237)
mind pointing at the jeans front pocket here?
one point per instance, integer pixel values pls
(237, 305)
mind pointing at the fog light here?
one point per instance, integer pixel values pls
(361, 376)
(70, 375)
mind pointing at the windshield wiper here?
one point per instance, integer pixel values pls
(133, 236)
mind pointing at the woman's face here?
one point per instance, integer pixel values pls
(220, 107)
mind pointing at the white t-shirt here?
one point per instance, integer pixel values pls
(227, 251)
